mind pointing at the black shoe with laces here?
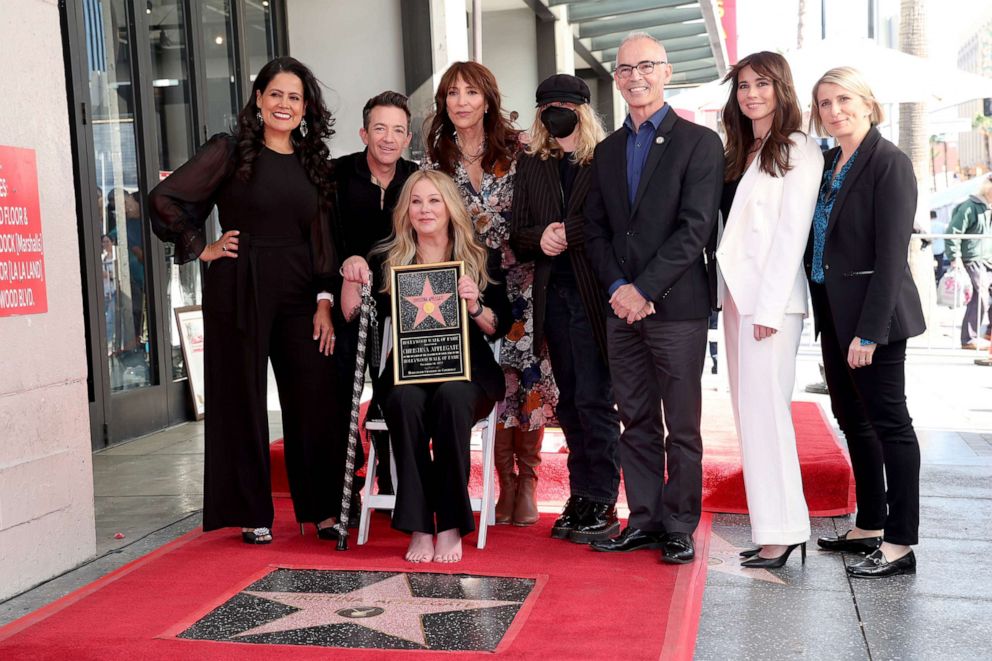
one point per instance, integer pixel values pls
(575, 508)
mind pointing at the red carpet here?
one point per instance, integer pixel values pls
(827, 479)
(586, 604)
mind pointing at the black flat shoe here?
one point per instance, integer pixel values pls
(598, 523)
(844, 545)
(678, 549)
(256, 536)
(875, 565)
(750, 553)
(631, 539)
(575, 508)
(757, 562)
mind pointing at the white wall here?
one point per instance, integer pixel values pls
(46, 476)
(355, 49)
(509, 49)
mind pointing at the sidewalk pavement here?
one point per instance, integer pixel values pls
(150, 491)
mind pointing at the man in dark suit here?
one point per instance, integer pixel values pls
(368, 184)
(651, 210)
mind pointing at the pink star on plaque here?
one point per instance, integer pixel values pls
(428, 304)
(388, 607)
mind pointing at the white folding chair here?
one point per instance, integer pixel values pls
(486, 505)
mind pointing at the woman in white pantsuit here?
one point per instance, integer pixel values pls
(772, 175)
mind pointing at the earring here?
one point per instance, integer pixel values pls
(303, 127)
(258, 116)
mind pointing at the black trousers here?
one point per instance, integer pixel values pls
(656, 367)
(870, 406)
(432, 492)
(585, 397)
(237, 486)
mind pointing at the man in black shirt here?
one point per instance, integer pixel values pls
(368, 185)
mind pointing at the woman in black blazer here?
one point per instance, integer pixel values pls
(431, 225)
(866, 306)
(570, 305)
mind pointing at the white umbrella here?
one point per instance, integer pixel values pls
(894, 76)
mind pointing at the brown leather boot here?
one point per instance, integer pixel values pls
(528, 447)
(503, 459)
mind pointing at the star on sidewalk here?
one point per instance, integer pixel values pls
(428, 304)
(387, 606)
(725, 558)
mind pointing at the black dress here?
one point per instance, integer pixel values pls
(432, 491)
(258, 306)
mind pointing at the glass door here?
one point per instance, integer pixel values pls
(126, 335)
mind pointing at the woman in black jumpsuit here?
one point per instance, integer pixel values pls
(264, 297)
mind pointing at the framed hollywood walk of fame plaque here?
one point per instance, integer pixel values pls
(430, 324)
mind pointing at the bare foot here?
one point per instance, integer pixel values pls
(421, 547)
(449, 546)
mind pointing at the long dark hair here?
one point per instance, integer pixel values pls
(312, 148)
(502, 141)
(787, 117)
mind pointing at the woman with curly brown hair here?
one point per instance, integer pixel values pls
(265, 297)
(472, 140)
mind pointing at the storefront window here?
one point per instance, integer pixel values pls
(171, 93)
(119, 212)
(259, 36)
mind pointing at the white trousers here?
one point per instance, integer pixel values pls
(762, 376)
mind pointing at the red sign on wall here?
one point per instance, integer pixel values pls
(22, 259)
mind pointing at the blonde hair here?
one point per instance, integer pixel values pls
(591, 133)
(854, 82)
(400, 249)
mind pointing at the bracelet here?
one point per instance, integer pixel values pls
(866, 343)
(478, 312)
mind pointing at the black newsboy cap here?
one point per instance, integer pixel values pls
(562, 87)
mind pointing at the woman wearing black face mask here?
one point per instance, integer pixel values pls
(553, 177)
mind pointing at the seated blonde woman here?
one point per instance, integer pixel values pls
(430, 225)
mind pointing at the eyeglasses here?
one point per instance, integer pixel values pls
(645, 68)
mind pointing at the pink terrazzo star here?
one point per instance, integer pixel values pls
(388, 607)
(428, 304)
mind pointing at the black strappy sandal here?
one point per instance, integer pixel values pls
(257, 536)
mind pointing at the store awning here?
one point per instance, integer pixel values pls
(690, 32)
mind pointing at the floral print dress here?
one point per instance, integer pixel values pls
(531, 394)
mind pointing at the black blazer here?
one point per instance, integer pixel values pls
(486, 372)
(537, 204)
(658, 242)
(866, 276)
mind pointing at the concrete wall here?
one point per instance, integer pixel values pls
(46, 477)
(355, 49)
(509, 49)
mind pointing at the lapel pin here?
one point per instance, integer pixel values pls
(659, 140)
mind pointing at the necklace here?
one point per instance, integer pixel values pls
(469, 159)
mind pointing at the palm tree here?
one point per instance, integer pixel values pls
(913, 116)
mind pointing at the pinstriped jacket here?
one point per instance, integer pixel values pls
(536, 204)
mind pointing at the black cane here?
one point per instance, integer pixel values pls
(356, 402)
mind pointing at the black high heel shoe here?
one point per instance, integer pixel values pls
(327, 533)
(750, 553)
(757, 562)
